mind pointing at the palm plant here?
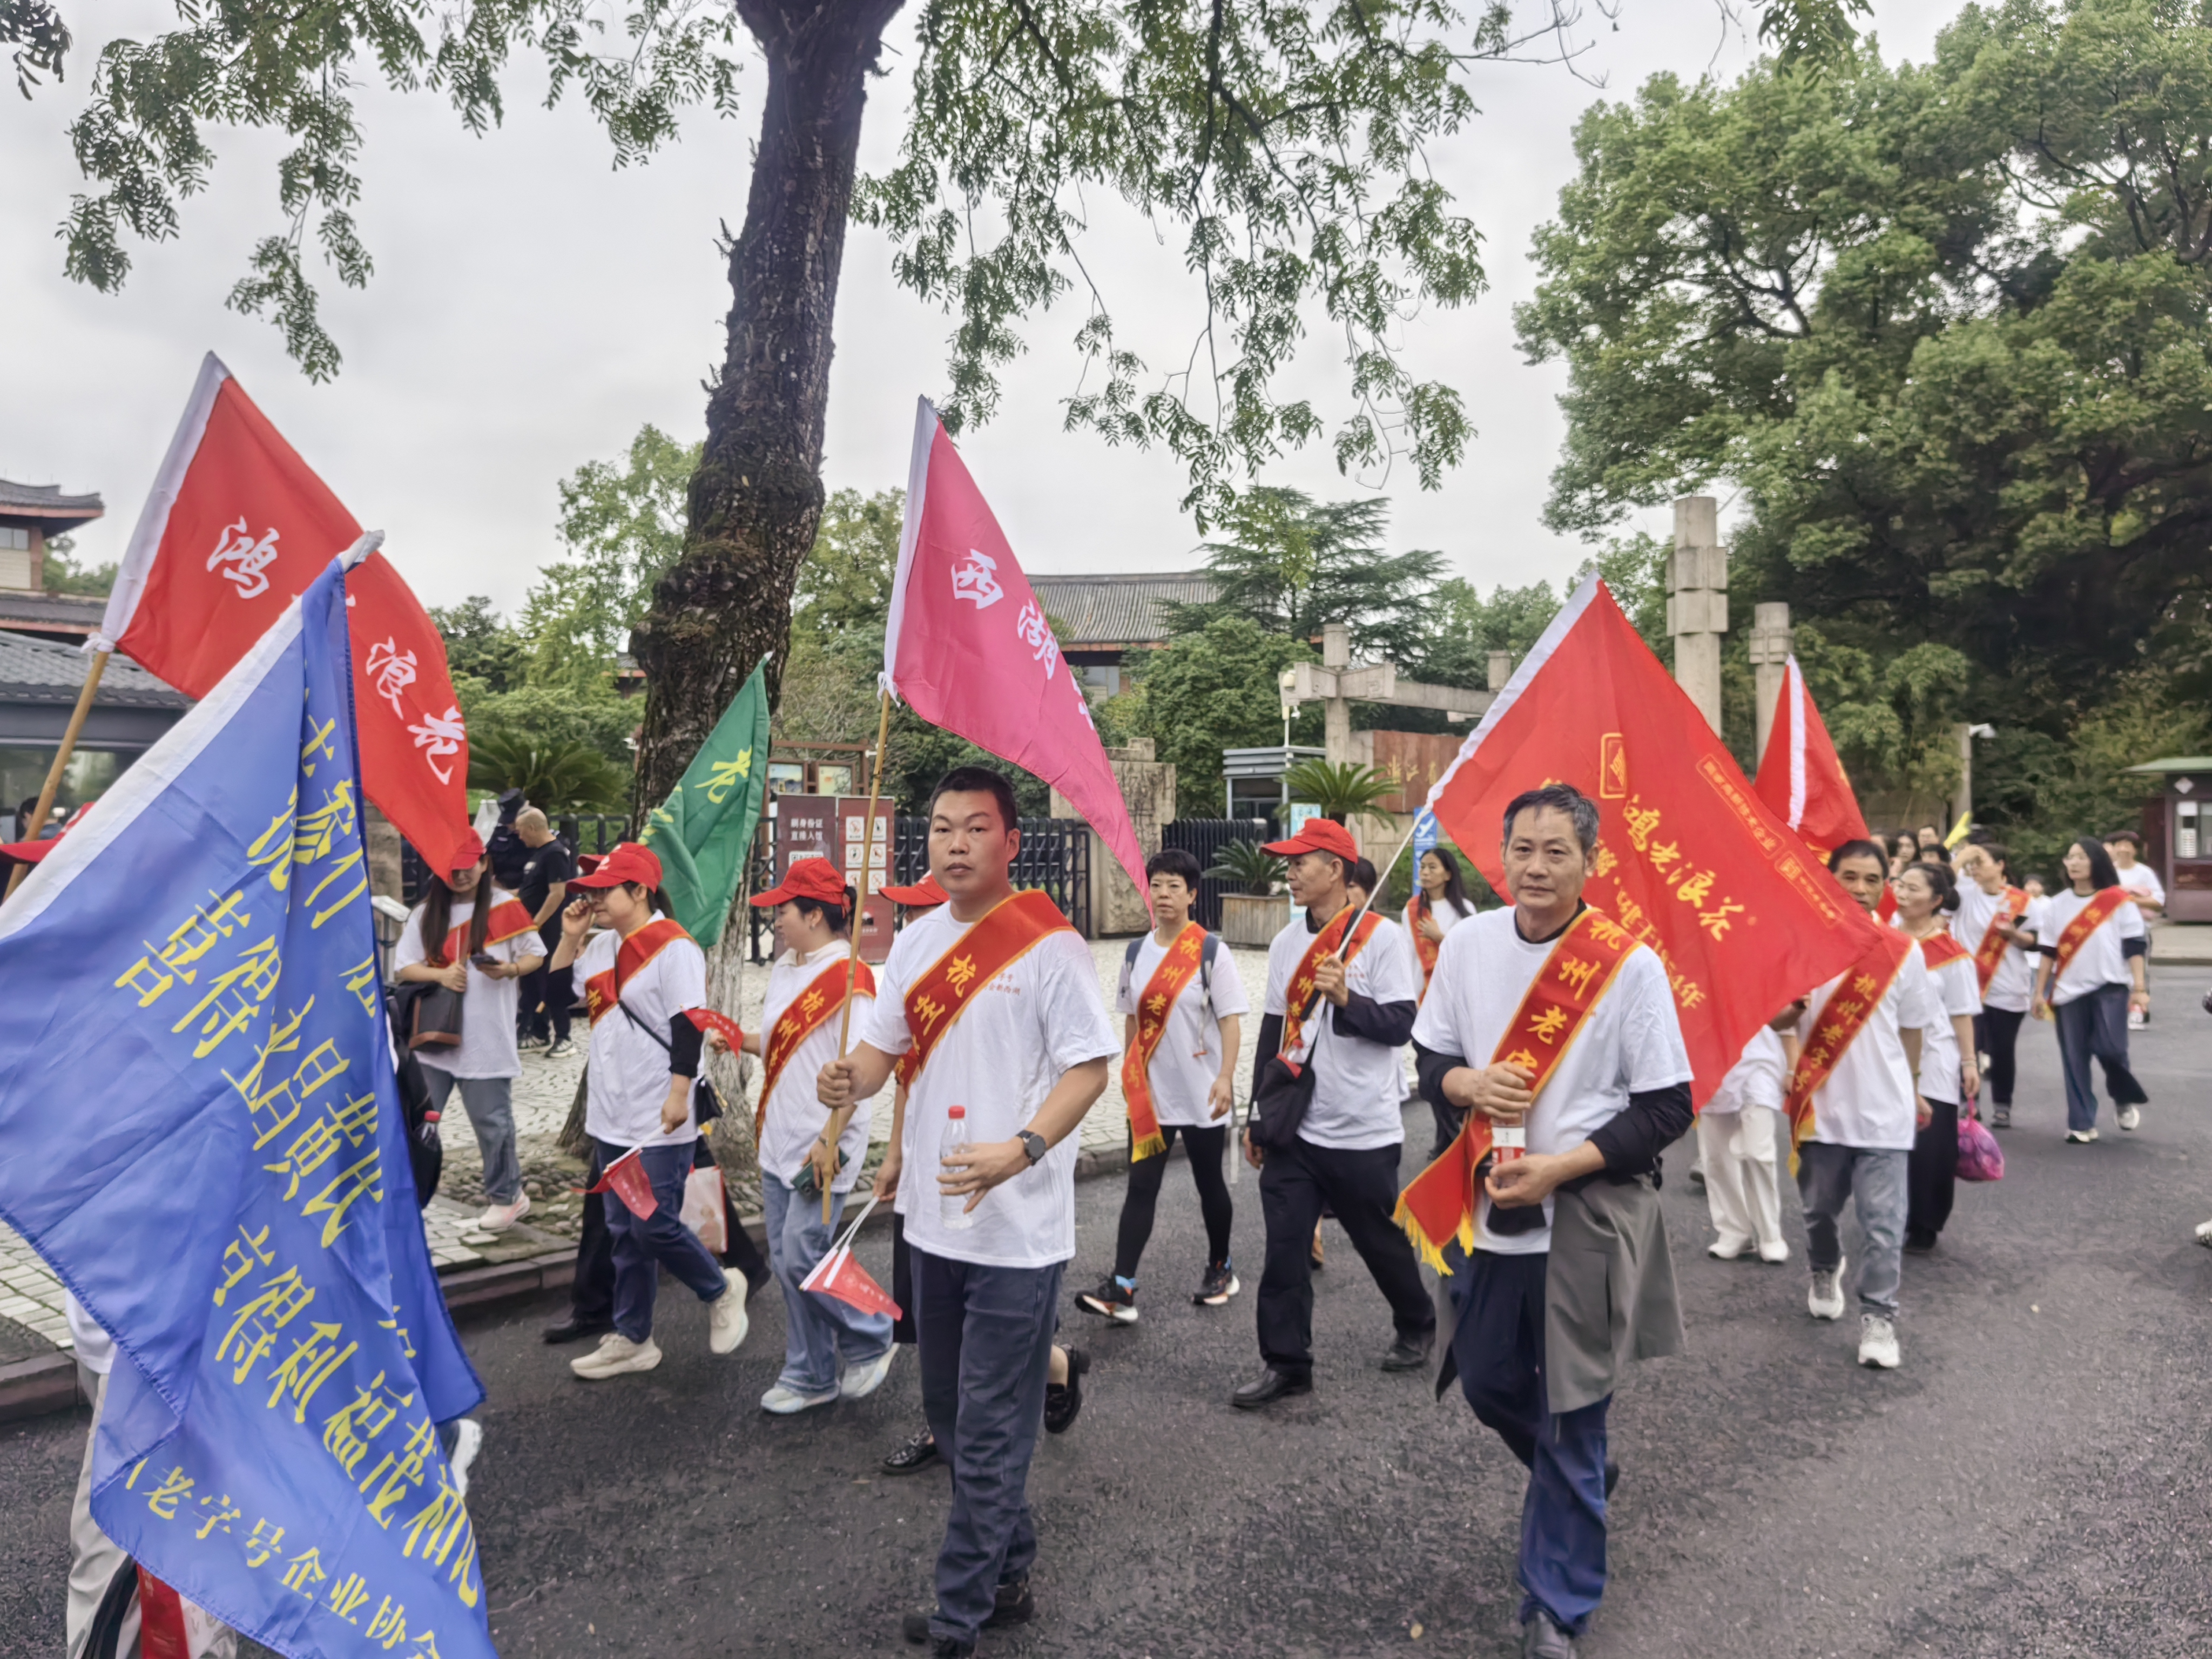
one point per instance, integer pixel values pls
(1247, 865)
(567, 776)
(1340, 788)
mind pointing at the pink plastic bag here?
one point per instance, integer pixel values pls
(1980, 1157)
(702, 1208)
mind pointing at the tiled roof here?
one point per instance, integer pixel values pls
(46, 501)
(39, 671)
(1117, 610)
(51, 613)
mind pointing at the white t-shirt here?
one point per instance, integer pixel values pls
(1035, 1020)
(628, 1074)
(1957, 992)
(2142, 880)
(795, 1115)
(1630, 1042)
(1358, 1086)
(1760, 1076)
(2101, 960)
(95, 1348)
(2013, 983)
(1868, 1100)
(1188, 1058)
(487, 1048)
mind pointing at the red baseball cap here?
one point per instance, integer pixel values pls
(628, 862)
(470, 851)
(922, 894)
(815, 879)
(30, 852)
(1320, 835)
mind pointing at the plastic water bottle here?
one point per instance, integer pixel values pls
(952, 1207)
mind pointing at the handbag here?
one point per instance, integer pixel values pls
(1980, 1157)
(431, 1015)
(705, 1104)
(1281, 1096)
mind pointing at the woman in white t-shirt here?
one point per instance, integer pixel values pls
(1950, 1072)
(471, 936)
(2103, 976)
(1738, 1146)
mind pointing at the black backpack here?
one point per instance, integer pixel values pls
(1205, 963)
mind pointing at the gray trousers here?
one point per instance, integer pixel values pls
(1875, 1181)
(489, 1102)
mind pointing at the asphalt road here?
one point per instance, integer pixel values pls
(2036, 1480)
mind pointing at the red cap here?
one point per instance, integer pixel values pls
(470, 851)
(1320, 835)
(922, 894)
(30, 852)
(810, 878)
(628, 862)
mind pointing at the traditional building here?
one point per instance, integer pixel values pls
(31, 515)
(1102, 620)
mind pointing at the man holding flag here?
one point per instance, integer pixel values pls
(1549, 1026)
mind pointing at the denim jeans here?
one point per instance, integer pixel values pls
(816, 1328)
(2096, 1024)
(490, 1103)
(1876, 1182)
(986, 1353)
(643, 1247)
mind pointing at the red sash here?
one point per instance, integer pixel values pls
(1426, 949)
(2094, 915)
(806, 1014)
(604, 990)
(1439, 1204)
(1843, 1018)
(937, 1000)
(1177, 969)
(508, 920)
(1940, 950)
(1301, 981)
(1991, 951)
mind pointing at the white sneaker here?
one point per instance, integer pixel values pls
(468, 1441)
(615, 1355)
(2204, 1233)
(1824, 1300)
(562, 1050)
(1726, 1249)
(727, 1321)
(2081, 1137)
(2130, 1116)
(500, 1217)
(2138, 1019)
(1878, 1343)
(861, 1381)
(1777, 1251)
(789, 1402)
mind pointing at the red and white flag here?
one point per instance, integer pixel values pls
(236, 526)
(838, 1275)
(1689, 860)
(1800, 775)
(627, 1180)
(969, 647)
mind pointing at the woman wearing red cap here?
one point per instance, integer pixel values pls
(640, 975)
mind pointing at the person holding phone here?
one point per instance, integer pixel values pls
(476, 939)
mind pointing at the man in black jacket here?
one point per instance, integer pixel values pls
(1341, 999)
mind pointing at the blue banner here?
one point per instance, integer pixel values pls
(1426, 834)
(200, 1132)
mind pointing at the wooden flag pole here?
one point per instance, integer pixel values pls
(84, 697)
(867, 853)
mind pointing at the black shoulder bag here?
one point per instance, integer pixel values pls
(1282, 1096)
(705, 1104)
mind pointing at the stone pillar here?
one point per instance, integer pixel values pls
(1697, 610)
(1501, 669)
(1148, 788)
(1962, 804)
(1336, 654)
(382, 841)
(1770, 657)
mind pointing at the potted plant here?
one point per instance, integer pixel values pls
(1255, 915)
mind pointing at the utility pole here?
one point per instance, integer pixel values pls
(1697, 608)
(1770, 658)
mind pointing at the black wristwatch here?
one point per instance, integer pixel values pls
(1032, 1143)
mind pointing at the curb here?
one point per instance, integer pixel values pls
(48, 1383)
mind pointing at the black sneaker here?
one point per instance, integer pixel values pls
(917, 1453)
(2000, 1116)
(1011, 1604)
(1112, 1299)
(915, 1628)
(1062, 1401)
(1217, 1286)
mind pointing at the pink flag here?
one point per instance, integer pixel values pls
(838, 1275)
(969, 647)
(626, 1179)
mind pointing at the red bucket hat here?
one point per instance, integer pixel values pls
(815, 879)
(1320, 835)
(628, 862)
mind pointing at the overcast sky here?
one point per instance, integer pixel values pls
(531, 307)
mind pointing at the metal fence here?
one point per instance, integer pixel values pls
(1203, 839)
(585, 832)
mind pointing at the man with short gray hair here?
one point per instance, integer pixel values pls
(549, 994)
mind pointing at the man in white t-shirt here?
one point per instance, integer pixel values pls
(1540, 1332)
(1866, 1110)
(1341, 1002)
(996, 998)
(1187, 1043)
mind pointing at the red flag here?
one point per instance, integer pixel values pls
(1689, 860)
(1800, 776)
(626, 1179)
(839, 1275)
(235, 528)
(969, 647)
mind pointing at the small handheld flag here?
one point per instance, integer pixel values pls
(837, 1274)
(627, 1180)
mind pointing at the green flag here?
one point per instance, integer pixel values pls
(703, 833)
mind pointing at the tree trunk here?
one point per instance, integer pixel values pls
(756, 497)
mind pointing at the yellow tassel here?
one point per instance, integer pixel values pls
(1150, 1146)
(1428, 1252)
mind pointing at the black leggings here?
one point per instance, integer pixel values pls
(1204, 1147)
(1996, 1032)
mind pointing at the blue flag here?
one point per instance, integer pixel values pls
(200, 1132)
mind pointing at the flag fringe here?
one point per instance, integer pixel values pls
(1428, 1249)
(1150, 1146)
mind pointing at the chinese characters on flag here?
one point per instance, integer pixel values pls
(1689, 860)
(234, 529)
